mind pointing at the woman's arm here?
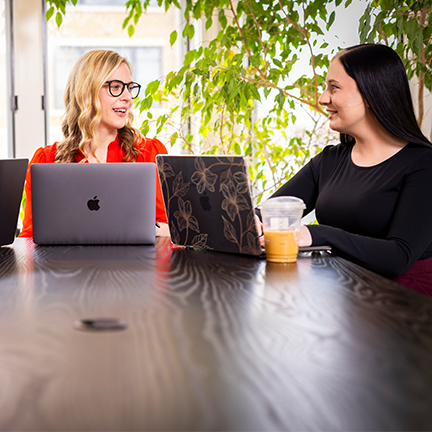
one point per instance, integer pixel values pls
(303, 185)
(27, 229)
(151, 148)
(409, 234)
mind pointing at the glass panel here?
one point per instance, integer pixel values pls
(3, 89)
(97, 27)
(147, 63)
(107, 3)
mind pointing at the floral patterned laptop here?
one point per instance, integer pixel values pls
(208, 202)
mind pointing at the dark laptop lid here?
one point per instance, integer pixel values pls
(12, 177)
(208, 202)
(110, 203)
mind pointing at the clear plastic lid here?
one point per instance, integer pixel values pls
(288, 202)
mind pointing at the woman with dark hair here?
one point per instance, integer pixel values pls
(97, 125)
(373, 192)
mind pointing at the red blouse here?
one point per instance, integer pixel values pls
(149, 149)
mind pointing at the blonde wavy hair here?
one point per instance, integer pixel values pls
(83, 108)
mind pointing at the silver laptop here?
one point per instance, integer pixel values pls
(112, 203)
(208, 203)
(12, 177)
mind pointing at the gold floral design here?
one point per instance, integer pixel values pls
(238, 226)
(200, 241)
(203, 177)
(180, 189)
(165, 170)
(233, 202)
(230, 232)
(184, 217)
(240, 179)
(225, 178)
(242, 182)
(174, 234)
(185, 220)
(252, 244)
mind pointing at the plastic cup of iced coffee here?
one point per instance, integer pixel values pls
(281, 219)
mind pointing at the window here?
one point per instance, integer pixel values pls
(97, 24)
(147, 63)
(107, 3)
(4, 151)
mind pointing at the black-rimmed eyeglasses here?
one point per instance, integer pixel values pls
(116, 88)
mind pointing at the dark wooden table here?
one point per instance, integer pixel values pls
(213, 342)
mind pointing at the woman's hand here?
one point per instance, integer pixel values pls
(305, 238)
(163, 231)
(259, 227)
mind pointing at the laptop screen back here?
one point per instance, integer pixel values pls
(113, 203)
(208, 202)
(12, 177)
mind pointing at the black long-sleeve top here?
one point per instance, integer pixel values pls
(380, 216)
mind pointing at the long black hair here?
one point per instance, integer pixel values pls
(382, 80)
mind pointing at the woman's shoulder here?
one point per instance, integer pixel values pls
(335, 150)
(45, 154)
(419, 149)
(150, 147)
(417, 154)
(332, 153)
(152, 143)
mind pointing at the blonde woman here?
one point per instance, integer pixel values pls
(97, 125)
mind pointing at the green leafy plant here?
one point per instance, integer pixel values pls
(224, 83)
(57, 8)
(406, 26)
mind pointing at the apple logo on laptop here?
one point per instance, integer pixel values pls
(204, 201)
(93, 204)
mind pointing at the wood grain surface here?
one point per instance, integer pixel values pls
(214, 342)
